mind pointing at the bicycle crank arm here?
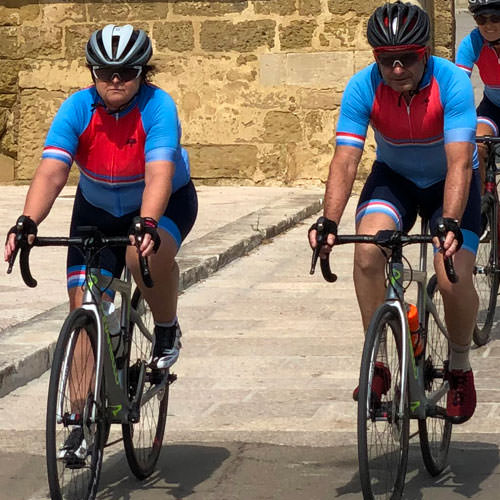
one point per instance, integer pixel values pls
(151, 393)
(133, 414)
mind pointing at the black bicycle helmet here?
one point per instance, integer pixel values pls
(484, 6)
(398, 23)
(118, 46)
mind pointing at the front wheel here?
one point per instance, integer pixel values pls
(143, 439)
(435, 430)
(75, 425)
(486, 277)
(383, 414)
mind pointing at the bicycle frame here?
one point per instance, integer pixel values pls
(412, 372)
(120, 409)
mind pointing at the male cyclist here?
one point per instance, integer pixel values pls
(422, 111)
(482, 48)
(124, 134)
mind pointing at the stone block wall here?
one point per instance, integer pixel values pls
(258, 83)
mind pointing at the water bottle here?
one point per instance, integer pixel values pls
(113, 322)
(415, 330)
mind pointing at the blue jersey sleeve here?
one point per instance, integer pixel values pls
(457, 97)
(70, 121)
(465, 57)
(162, 127)
(356, 107)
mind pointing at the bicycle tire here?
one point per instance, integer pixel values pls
(143, 439)
(75, 347)
(434, 432)
(382, 471)
(486, 277)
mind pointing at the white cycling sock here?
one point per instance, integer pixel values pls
(459, 357)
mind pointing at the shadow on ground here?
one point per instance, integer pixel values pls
(472, 469)
(179, 470)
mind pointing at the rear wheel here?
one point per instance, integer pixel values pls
(143, 438)
(383, 424)
(486, 278)
(74, 463)
(435, 430)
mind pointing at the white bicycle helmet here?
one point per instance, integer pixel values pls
(118, 46)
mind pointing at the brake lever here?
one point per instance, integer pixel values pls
(448, 261)
(12, 259)
(324, 263)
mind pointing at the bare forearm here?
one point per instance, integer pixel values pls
(457, 184)
(157, 190)
(50, 177)
(339, 184)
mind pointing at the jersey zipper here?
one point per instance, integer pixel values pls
(113, 165)
(408, 111)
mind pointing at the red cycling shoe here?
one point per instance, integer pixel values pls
(381, 382)
(461, 399)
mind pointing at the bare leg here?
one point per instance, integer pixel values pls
(82, 365)
(162, 298)
(368, 273)
(460, 299)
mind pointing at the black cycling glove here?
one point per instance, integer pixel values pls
(25, 225)
(446, 224)
(145, 225)
(324, 227)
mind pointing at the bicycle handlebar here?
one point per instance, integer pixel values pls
(488, 139)
(387, 239)
(93, 240)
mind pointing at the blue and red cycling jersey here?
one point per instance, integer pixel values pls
(112, 149)
(474, 49)
(410, 137)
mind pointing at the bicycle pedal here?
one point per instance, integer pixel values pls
(172, 377)
(133, 416)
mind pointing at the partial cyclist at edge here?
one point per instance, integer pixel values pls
(124, 134)
(481, 47)
(421, 108)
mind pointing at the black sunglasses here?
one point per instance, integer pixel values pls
(481, 19)
(406, 59)
(124, 73)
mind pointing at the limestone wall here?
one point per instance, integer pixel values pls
(258, 83)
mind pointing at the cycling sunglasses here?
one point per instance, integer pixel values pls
(481, 19)
(389, 59)
(124, 73)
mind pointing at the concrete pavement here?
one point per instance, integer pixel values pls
(231, 222)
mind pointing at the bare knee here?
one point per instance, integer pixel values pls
(368, 260)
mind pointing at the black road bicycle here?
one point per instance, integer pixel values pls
(415, 387)
(486, 270)
(97, 380)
